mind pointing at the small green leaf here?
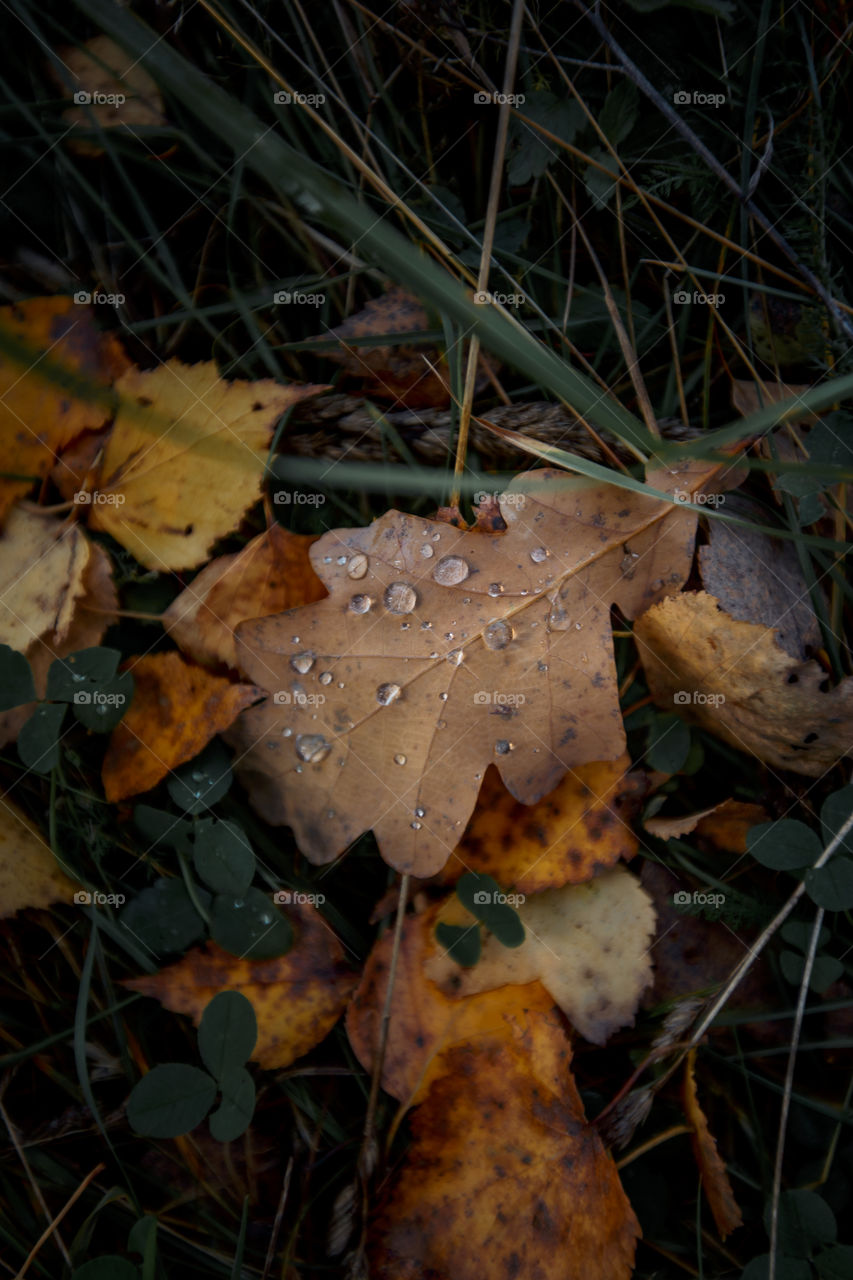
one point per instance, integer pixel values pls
(101, 707)
(38, 741)
(786, 1269)
(785, 845)
(86, 669)
(831, 886)
(669, 744)
(227, 1033)
(160, 827)
(529, 152)
(805, 1221)
(237, 1107)
(825, 970)
(202, 781)
(110, 1267)
(16, 679)
(223, 857)
(462, 944)
(250, 926)
(484, 898)
(619, 113)
(163, 917)
(835, 1263)
(141, 1233)
(834, 813)
(170, 1100)
(798, 933)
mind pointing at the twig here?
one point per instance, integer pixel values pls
(51, 1227)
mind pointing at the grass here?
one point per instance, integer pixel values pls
(623, 198)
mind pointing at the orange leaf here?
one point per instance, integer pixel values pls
(715, 1179)
(271, 574)
(176, 709)
(297, 997)
(38, 418)
(576, 831)
(504, 1176)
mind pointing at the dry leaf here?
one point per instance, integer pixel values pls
(578, 830)
(109, 88)
(671, 828)
(297, 997)
(42, 575)
(177, 708)
(588, 944)
(504, 1177)
(38, 418)
(440, 651)
(30, 875)
(715, 1179)
(271, 574)
(185, 459)
(726, 826)
(745, 398)
(747, 690)
(425, 1022)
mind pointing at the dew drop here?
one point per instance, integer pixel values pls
(341, 684)
(497, 634)
(399, 758)
(578, 626)
(427, 551)
(419, 812)
(326, 677)
(264, 918)
(448, 635)
(327, 559)
(538, 554)
(425, 626)
(450, 570)
(502, 747)
(342, 560)
(285, 733)
(558, 616)
(404, 626)
(456, 656)
(273, 746)
(76, 677)
(542, 666)
(441, 724)
(302, 662)
(298, 769)
(400, 597)
(388, 693)
(436, 537)
(312, 747)
(416, 826)
(295, 639)
(330, 813)
(443, 697)
(360, 604)
(357, 566)
(496, 589)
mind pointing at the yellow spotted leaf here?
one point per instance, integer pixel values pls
(30, 875)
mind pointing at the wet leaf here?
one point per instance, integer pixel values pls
(170, 1100)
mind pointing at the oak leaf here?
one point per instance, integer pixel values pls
(503, 1175)
(177, 708)
(297, 997)
(185, 459)
(38, 417)
(753, 695)
(440, 651)
(715, 1179)
(271, 574)
(30, 875)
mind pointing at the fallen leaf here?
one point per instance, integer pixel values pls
(30, 875)
(185, 459)
(726, 826)
(504, 1177)
(110, 88)
(747, 690)
(588, 944)
(177, 708)
(94, 611)
(671, 828)
(38, 417)
(745, 398)
(297, 997)
(42, 576)
(75, 472)
(578, 830)
(271, 574)
(425, 1022)
(715, 1179)
(440, 651)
